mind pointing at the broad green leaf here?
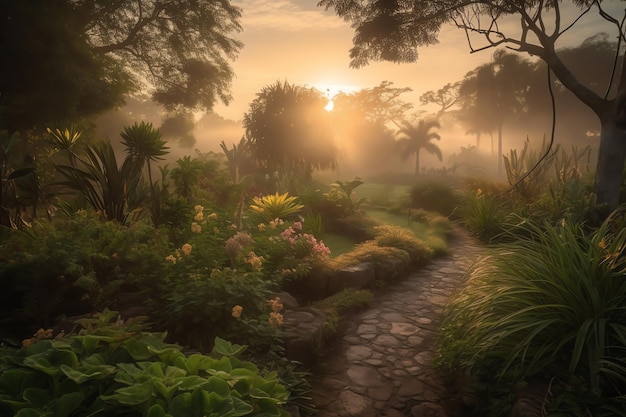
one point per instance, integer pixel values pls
(224, 347)
(50, 361)
(67, 403)
(133, 395)
(37, 397)
(31, 412)
(157, 411)
(14, 381)
(219, 386)
(240, 407)
(90, 373)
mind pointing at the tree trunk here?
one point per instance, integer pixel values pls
(417, 162)
(611, 157)
(500, 154)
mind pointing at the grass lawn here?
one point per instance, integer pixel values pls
(381, 194)
(337, 244)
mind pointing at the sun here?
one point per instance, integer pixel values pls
(330, 91)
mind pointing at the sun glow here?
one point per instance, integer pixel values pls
(330, 91)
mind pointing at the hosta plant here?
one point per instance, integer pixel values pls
(113, 368)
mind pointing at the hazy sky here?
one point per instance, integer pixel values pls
(296, 41)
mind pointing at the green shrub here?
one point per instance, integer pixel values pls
(551, 305)
(483, 215)
(342, 303)
(368, 251)
(404, 239)
(112, 368)
(74, 265)
(197, 307)
(435, 196)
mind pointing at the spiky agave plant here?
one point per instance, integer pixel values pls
(275, 206)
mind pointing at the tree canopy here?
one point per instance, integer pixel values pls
(393, 30)
(65, 59)
(288, 128)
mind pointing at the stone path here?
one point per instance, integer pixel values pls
(382, 364)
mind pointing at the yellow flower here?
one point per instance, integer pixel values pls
(199, 216)
(212, 216)
(275, 319)
(198, 208)
(186, 249)
(171, 258)
(216, 230)
(233, 226)
(237, 311)
(261, 227)
(275, 304)
(196, 228)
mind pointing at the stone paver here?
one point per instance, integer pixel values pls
(382, 365)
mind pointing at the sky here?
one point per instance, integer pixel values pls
(298, 42)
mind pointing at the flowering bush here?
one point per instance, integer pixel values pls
(288, 252)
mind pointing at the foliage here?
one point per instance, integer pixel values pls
(516, 167)
(393, 32)
(412, 138)
(288, 128)
(401, 238)
(112, 190)
(144, 145)
(551, 304)
(343, 303)
(198, 306)
(368, 251)
(482, 214)
(114, 368)
(178, 52)
(73, 265)
(274, 206)
(8, 175)
(434, 196)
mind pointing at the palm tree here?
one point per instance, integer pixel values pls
(144, 145)
(415, 137)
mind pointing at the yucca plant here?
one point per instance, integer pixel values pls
(108, 188)
(274, 206)
(552, 304)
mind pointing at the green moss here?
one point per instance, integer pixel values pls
(344, 302)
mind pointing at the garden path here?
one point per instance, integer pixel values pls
(381, 365)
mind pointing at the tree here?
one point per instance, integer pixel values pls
(415, 137)
(288, 128)
(144, 145)
(65, 59)
(446, 97)
(179, 126)
(393, 30)
(493, 93)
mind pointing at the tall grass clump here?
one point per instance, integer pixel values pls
(551, 305)
(484, 215)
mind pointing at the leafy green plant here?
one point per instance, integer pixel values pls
(400, 238)
(114, 368)
(274, 206)
(483, 215)
(73, 265)
(108, 188)
(435, 196)
(197, 307)
(342, 303)
(550, 304)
